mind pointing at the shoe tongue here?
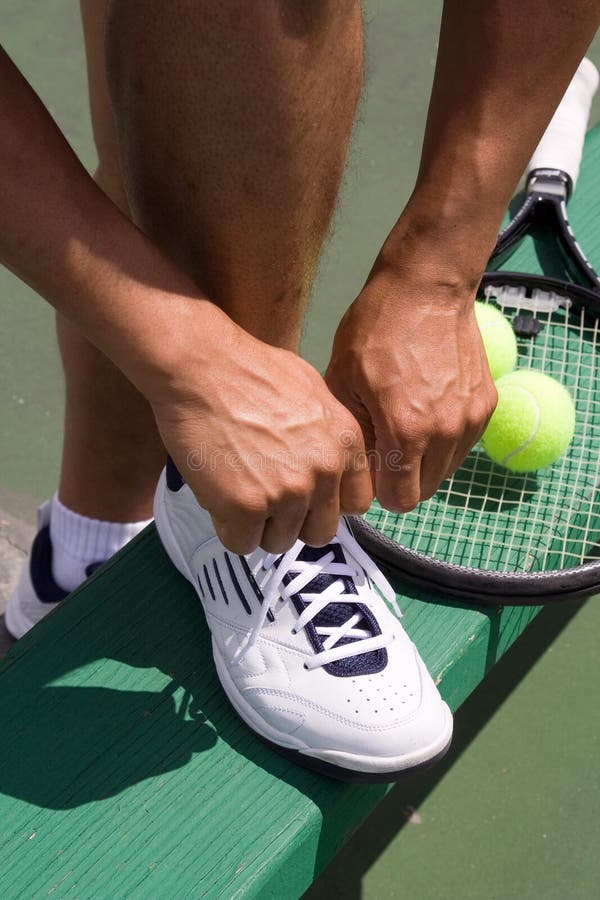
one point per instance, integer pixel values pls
(334, 614)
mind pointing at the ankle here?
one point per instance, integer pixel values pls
(78, 542)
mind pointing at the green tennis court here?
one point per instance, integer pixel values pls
(514, 812)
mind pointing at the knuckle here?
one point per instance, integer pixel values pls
(450, 431)
(475, 423)
(398, 501)
(344, 418)
(408, 434)
(254, 507)
(485, 406)
(241, 547)
(356, 493)
(277, 544)
(238, 542)
(327, 468)
(354, 508)
(318, 536)
(479, 417)
(294, 492)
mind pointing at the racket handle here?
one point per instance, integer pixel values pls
(561, 146)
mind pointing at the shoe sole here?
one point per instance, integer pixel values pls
(14, 622)
(357, 769)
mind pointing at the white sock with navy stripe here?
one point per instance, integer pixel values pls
(77, 542)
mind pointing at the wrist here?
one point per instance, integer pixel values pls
(164, 338)
(444, 240)
(146, 315)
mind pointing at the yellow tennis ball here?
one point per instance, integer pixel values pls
(533, 423)
(498, 339)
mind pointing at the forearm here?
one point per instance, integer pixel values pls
(59, 233)
(502, 68)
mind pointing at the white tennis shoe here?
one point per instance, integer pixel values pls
(307, 648)
(36, 593)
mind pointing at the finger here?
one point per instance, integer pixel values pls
(398, 481)
(241, 533)
(483, 423)
(320, 525)
(322, 519)
(283, 527)
(356, 486)
(436, 465)
(358, 426)
(471, 437)
(461, 453)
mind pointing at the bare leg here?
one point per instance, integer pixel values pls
(112, 454)
(234, 164)
(234, 120)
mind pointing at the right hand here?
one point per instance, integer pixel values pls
(258, 437)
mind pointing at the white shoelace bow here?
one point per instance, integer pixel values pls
(270, 577)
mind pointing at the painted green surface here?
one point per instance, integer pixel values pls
(124, 772)
(483, 835)
(515, 814)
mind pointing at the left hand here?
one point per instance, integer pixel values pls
(408, 361)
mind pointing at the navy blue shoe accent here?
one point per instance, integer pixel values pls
(40, 569)
(335, 614)
(200, 588)
(89, 570)
(257, 591)
(174, 480)
(237, 585)
(208, 582)
(218, 574)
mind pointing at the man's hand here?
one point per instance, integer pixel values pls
(261, 441)
(259, 438)
(409, 362)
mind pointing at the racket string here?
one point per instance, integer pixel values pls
(484, 516)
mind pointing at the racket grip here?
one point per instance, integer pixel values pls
(561, 146)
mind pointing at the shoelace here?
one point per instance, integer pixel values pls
(274, 568)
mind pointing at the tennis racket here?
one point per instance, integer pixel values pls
(491, 536)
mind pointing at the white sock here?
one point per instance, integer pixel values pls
(78, 541)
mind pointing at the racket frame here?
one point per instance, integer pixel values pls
(481, 587)
(545, 207)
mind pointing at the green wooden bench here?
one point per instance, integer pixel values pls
(123, 771)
